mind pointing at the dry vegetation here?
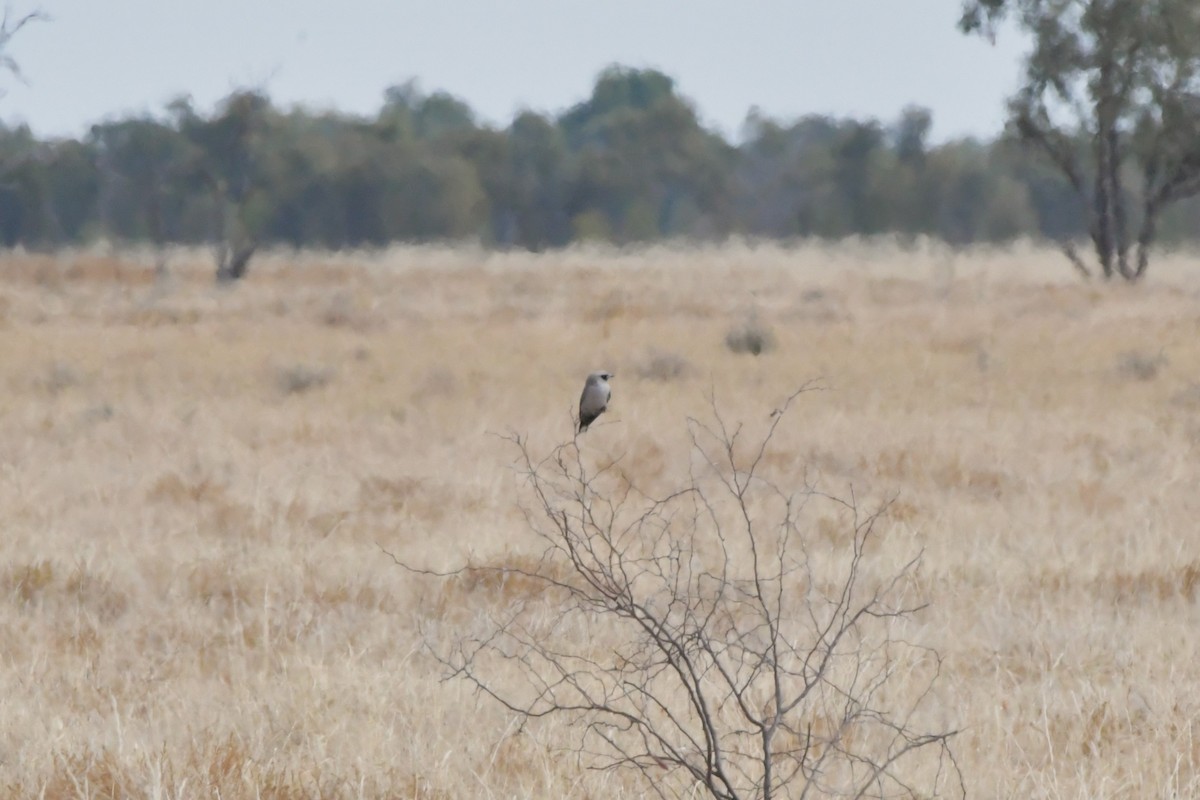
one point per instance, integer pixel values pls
(196, 484)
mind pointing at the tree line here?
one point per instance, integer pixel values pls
(633, 163)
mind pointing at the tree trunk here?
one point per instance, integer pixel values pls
(235, 246)
(1102, 237)
(156, 227)
(234, 262)
(1077, 262)
(1146, 236)
(1116, 201)
(1102, 206)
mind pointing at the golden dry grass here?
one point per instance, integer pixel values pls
(196, 485)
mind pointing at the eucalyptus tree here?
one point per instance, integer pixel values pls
(226, 161)
(642, 165)
(1111, 97)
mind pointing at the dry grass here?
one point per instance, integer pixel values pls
(196, 485)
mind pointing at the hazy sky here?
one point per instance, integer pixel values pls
(98, 58)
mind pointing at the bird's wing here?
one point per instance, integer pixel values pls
(593, 400)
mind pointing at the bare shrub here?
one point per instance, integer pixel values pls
(709, 640)
(753, 336)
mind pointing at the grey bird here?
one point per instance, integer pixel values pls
(595, 397)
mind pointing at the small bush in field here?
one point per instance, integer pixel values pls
(660, 366)
(1140, 366)
(300, 378)
(753, 336)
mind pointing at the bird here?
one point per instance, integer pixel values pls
(595, 397)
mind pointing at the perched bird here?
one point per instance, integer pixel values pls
(595, 397)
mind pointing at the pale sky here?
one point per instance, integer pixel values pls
(859, 58)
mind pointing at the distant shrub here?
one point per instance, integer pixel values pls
(59, 377)
(1189, 396)
(1140, 366)
(300, 378)
(659, 366)
(753, 336)
(339, 311)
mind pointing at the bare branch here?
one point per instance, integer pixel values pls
(10, 27)
(1076, 261)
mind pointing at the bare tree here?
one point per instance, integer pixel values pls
(723, 638)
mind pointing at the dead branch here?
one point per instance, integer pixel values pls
(10, 27)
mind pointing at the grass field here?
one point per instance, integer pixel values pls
(197, 486)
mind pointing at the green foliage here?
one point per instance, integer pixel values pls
(639, 149)
(530, 200)
(141, 164)
(408, 112)
(591, 226)
(23, 190)
(72, 187)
